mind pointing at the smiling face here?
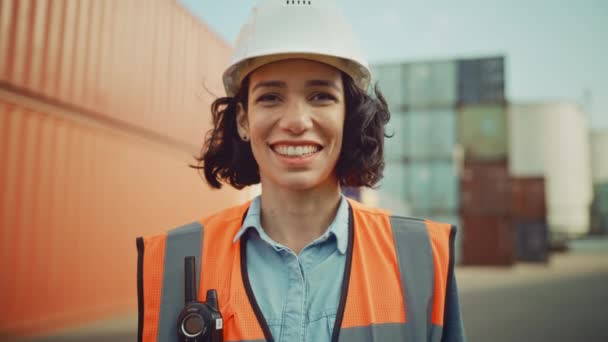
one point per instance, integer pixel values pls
(295, 117)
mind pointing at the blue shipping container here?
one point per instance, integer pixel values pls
(388, 77)
(532, 241)
(481, 80)
(429, 84)
(431, 134)
(394, 181)
(432, 186)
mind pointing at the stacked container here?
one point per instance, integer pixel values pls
(485, 213)
(485, 185)
(420, 169)
(529, 212)
(526, 174)
(599, 158)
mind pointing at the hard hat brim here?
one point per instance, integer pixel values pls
(236, 73)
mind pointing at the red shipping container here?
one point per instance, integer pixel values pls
(485, 188)
(488, 240)
(528, 199)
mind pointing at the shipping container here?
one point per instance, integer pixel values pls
(429, 84)
(483, 131)
(528, 199)
(485, 188)
(394, 180)
(532, 242)
(432, 187)
(75, 195)
(489, 240)
(100, 114)
(419, 182)
(599, 156)
(428, 188)
(481, 80)
(396, 146)
(140, 66)
(389, 79)
(390, 194)
(391, 202)
(431, 134)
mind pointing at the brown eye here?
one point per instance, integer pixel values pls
(268, 99)
(322, 97)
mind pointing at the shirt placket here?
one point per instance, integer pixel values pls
(293, 315)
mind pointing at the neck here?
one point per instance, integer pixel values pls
(296, 218)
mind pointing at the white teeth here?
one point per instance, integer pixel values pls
(295, 151)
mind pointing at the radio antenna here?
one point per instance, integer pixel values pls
(190, 279)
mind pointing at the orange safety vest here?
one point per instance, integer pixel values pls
(394, 285)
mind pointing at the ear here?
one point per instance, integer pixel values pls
(242, 124)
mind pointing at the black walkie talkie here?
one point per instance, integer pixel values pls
(198, 321)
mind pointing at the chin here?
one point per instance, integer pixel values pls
(302, 182)
(298, 184)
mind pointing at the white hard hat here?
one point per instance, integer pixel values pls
(288, 29)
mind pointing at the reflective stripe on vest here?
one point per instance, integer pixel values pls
(395, 288)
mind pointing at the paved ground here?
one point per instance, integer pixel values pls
(569, 309)
(566, 300)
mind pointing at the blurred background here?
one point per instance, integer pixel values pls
(499, 122)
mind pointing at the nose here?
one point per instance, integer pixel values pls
(297, 118)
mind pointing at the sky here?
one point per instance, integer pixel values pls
(554, 49)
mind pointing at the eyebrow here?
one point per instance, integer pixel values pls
(310, 83)
(323, 83)
(269, 84)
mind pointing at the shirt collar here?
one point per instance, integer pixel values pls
(338, 227)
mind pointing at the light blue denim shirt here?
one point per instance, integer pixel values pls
(297, 294)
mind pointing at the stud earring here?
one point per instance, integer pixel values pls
(245, 137)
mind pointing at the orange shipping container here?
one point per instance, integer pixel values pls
(141, 64)
(75, 194)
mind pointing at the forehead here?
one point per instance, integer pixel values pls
(295, 70)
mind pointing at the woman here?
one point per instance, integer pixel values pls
(300, 262)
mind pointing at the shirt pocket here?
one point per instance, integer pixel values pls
(321, 326)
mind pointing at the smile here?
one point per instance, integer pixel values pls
(296, 151)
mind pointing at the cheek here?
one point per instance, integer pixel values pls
(259, 133)
(256, 126)
(338, 126)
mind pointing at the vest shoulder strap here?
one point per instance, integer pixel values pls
(425, 255)
(161, 279)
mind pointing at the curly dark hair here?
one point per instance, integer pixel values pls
(225, 157)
